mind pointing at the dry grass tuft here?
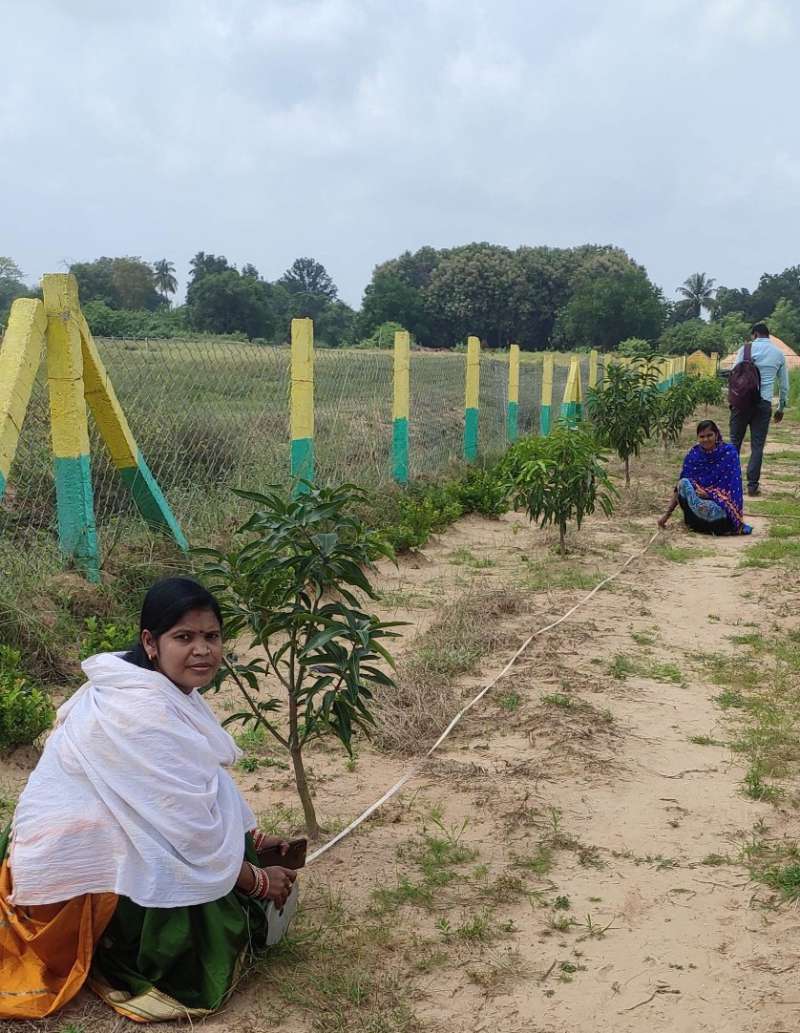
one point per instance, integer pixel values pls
(427, 693)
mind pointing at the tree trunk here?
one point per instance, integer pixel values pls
(562, 535)
(627, 471)
(312, 826)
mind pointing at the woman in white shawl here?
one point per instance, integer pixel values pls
(130, 846)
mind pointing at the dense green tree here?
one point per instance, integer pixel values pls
(773, 288)
(125, 282)
(310, 286)
(720, 335)
(206, 265)
(227, 302)
(110, 322)
(613, 300)
(11, 285)
(697, 291)
(785, 322)
(335, 326)
(397, 294)
(472, 292)
(164, 278)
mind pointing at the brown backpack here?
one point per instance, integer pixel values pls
(744, 383)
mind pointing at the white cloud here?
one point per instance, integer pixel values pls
(352, 129)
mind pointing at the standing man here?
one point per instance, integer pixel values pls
(771, 363)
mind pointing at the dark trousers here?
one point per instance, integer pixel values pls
(758, 422)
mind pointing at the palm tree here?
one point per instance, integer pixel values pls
(698, 292)
(164, 278)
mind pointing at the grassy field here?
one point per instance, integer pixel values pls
(213, 414)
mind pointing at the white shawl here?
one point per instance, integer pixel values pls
(130, 797)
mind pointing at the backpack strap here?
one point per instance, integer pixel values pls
(748, 352)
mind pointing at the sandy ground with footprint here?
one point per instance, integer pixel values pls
(624, 927)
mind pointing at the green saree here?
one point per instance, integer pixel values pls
(155, 964)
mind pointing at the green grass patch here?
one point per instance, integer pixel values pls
(786, 506)
(784, 551)
(622, 667)
(546, 575)
(705, 740)
(466, 558)
(789, 530)
(679, 554)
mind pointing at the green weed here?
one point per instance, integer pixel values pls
(510, 701)
(466, 558)
(784, 551)
(25, 709)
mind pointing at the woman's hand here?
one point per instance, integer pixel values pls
(662, 523)
(281, 881)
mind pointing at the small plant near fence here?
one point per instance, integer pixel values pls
(707, 390)
(674, 407)
(102, 636)
(559, 478)
(293, 586)
(624, 409)
(25, 710)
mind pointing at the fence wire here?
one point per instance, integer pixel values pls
(209, 416)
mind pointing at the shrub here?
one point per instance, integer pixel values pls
(102, 636)
(559, 478)
(707, 390)
(623, 409)
(25, 710)
(482, 490)
(674, 407)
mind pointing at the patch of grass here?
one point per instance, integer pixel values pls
(784, 456)
(510, 701)
(791, 530)
(466, 558)
(643, 638)
(426, 694)
(7, 805)
(281, 820)
(782, 505)
(340, 971)
(783, 551)
(399, 600)
(621, 667)
(730, 698)
(705, 740)
(558, 699)
(678, 554)
(716, 860)
(757, 789)
(540, 862)
(552, 574)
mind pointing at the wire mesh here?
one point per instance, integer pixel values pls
(436, 415)
(353, 416)
(211, 415)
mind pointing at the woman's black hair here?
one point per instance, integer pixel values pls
(164, 605)
(709, 425)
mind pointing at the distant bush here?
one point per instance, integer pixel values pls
(109, 322)
(381, 337)
(25, 710)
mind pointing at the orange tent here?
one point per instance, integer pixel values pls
(792, 358)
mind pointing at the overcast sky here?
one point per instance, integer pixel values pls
(351, 130)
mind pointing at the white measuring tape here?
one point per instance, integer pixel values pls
(419, 764)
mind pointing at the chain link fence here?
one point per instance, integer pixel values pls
(211, 415)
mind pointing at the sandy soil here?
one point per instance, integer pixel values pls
(626, 929)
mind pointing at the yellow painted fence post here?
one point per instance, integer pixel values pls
(302, 403)
(77, 531)
(471, 399)
(512, 405)
(546, 402)
(19, 360)
(400, 406)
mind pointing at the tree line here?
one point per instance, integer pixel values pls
(592, 296)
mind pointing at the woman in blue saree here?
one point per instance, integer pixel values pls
(710, 487)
